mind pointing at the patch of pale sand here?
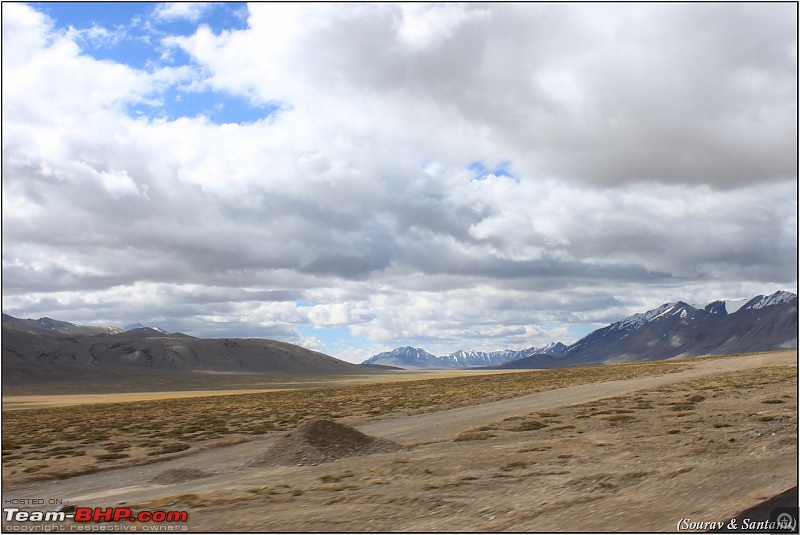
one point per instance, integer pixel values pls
(67, 400)
(36, 402)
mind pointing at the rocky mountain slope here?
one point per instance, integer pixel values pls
(678, 329)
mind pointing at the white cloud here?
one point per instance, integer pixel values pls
(648, 154)
(191, 11)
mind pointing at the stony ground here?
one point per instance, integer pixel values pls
(639, 457)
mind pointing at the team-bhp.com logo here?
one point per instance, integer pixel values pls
(81, 516)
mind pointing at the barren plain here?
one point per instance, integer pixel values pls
(634, 447)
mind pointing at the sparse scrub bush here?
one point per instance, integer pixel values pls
(35, 468)
(479, 435)
(110, 456)
(148, 429)
(335, 478)
(170, 448)
(530, 425)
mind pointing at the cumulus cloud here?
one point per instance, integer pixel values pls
(630, 155)
(180, 10)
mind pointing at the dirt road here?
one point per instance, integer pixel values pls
(599, 447)
(446, 424)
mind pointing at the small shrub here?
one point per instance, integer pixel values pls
(170, 448)
(479, 435)
(531, 425)
(335, 478)
(110, 456)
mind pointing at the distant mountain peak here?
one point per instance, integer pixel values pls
(463, 358)
(778, 298)
(554, 348)
(137, 326)
(679, 308)
(672, 329)
(406, 356)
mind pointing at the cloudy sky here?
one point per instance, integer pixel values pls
(356, 177)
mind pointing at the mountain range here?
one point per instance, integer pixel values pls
(47, 353)
(678, 329)
(411, 357)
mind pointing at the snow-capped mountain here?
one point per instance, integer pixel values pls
(137, 326)
(553, 348)
(642, 333)
(762, 301)
(723, 307)
(409, 357)
(465, 358)
(678, 329)
(406, 357)
(638, 320)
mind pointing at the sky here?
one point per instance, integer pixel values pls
(357, 177)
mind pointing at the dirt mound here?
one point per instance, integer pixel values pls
(321, 441)
(179, 475)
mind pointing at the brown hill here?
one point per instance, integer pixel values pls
(33, 355)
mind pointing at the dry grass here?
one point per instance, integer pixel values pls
(643, 414)
(480, 485)
(45, 442)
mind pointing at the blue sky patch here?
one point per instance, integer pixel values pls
(131, 34)
(336, 339)
(482, 171)
(217, 107)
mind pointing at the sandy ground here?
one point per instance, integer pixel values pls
(29, 401)
(634, 455)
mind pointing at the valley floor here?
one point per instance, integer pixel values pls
(70, 394)
(637, 454)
